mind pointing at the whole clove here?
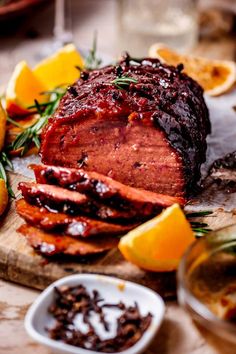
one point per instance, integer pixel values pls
(71, 301)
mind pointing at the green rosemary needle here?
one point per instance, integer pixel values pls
(199, 228)
(199, 214)
(12, 121)
(92, 61)
(124, 81)
(30, 135)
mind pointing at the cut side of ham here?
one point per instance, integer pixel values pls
(124, 151)
(49, 244)
(74, 226)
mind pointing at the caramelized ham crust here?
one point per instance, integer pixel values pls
(56, 244)
(70, 225)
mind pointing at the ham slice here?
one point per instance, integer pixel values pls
(55, 244)
(105, 189)
(57, 199)
(70, 225)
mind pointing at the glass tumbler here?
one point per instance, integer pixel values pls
(207, 287)
(142, 23)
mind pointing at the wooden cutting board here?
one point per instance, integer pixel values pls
(20, 264)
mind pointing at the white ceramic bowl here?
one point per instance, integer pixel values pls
(112, 290)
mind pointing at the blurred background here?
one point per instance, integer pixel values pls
(33, 29)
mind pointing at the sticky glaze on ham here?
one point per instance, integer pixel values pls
(150, 134)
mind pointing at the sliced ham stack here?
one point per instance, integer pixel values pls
(75, 212)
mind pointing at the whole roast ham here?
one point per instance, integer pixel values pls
(125, 142)
(139, 122)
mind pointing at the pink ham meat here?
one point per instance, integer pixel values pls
(49, 244)
(56, 199)
(70, 225)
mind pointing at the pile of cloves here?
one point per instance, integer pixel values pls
(71, 301)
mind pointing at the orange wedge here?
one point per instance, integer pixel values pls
(158, 244)
(215, 76)
(3, 120)
(26, 85)
(60, 68)
(3, 196)
(22, 89)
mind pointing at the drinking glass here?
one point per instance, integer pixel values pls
(63, 22)
(144, 22)
(207, 287)
(62, 30)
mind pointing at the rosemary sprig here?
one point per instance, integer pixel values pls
(12, 121)
(92, 61)
(124, 81)
(199, 214)
(199, 228)
(39, 106)
(30, 135)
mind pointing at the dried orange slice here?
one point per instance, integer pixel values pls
(22, 89)
(60, 68)
(215, 76)
(3, 196)
(158, 244)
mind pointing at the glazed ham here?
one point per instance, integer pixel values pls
(125, 142)
(148, 134)
(69, 225)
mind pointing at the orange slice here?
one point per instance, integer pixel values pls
(158, 244)
(22, 89)
(60, 68)
(3, 196)
(215, 76)
(26, 85)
